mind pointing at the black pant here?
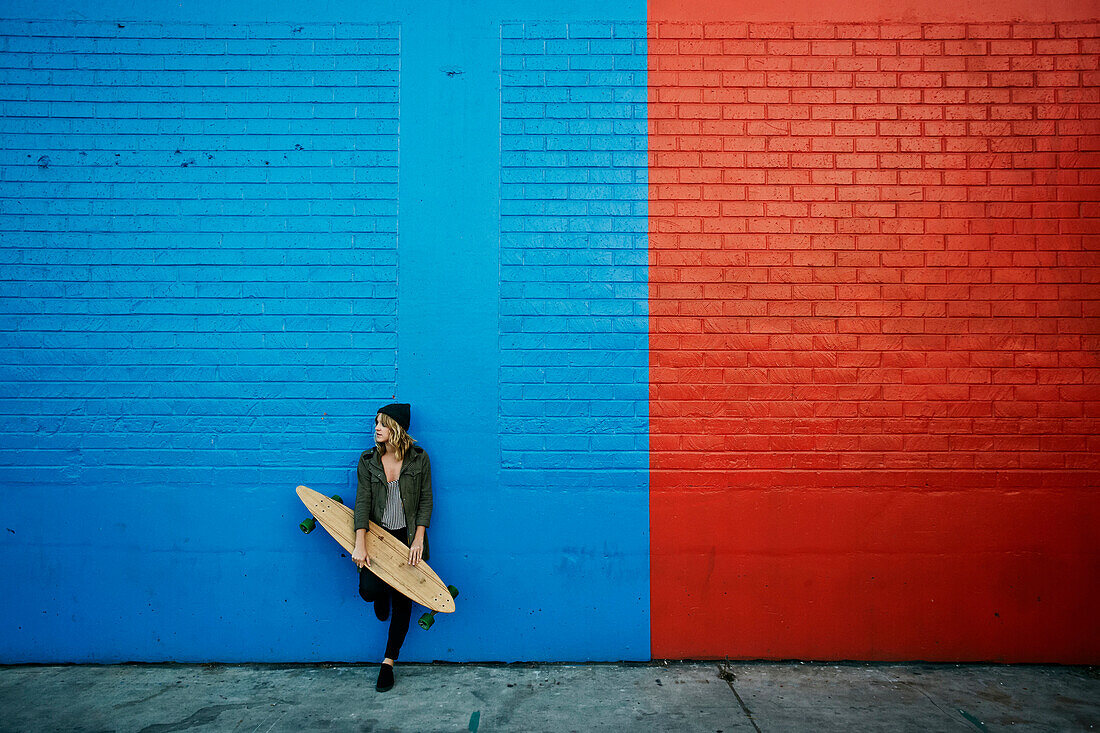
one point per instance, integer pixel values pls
(372, 588)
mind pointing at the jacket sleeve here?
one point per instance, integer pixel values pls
(424, 507)
(363, 496)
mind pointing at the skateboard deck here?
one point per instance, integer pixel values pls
(389, 557)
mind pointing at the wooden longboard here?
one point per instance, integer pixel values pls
(389, 557)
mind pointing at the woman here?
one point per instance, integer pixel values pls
(395, 491)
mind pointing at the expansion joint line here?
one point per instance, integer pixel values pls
(726, 673)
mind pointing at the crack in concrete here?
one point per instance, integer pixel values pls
(910, 685)
(202, 716)
(163, 690)
(726, 673)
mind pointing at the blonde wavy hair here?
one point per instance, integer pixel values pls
(401, 441)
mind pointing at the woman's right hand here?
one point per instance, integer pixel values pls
(359, 556)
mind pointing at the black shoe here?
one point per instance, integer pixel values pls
(382, 607)
(385, 678)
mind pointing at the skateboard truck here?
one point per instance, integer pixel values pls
(309, 524)
(428, 619)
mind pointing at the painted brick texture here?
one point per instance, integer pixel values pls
(197, 304)
(199, 244)
(573, 317)
(573, 298)
(873, 310)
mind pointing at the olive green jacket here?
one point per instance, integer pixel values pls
(414, 483)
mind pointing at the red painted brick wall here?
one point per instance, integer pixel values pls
(874, 301)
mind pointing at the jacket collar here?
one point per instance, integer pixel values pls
(412, 460)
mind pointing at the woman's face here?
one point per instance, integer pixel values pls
(381, 432)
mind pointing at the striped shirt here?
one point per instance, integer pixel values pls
(394, 516)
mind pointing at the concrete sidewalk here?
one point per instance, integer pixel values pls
(659, 696)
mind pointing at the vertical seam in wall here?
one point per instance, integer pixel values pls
(500, 233)
(397, 231)
(648, 347)
(500, 239)
(649, 329)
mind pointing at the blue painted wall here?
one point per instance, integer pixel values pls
(225, 240)
(574, 329)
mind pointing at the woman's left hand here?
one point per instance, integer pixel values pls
(416, 550)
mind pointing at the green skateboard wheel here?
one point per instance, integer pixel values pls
(310, 524)
(428, 619)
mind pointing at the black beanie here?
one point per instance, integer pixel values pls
(399, 411)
